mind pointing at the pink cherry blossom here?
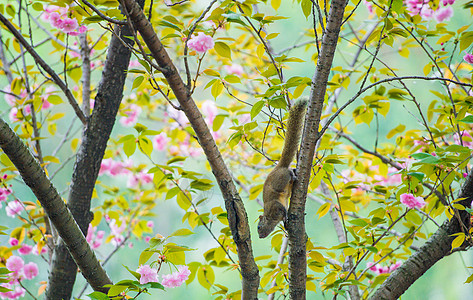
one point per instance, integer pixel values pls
(419, 7)
(55, 20)
(443, 14)
(448, 2)
(25, 249)
(160, 141)
(369, 6)
(148, 274)
(177, 115)
(35, 250)
(13, 241)
(81, 29)
(113, 168)
(13, 114)
(135, 179)
(30, 270)
(16, 292)
(15, 263)
(116, 231)
(147, 239)
(150, 224)
(69, 25)
(468, 58)
(134, 63)
(94, 240)
(176, 278)
(234, 69)
(4, 192)
(394, 266)
(411, 201)
(209, 110)
(132, 113)
(13, 208)
(10, 96)
(201, 42)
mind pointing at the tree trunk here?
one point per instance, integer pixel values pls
(237, 217)
(296, 214)
(54, 206)
(63, 270)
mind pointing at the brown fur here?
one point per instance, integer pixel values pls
(278, 185)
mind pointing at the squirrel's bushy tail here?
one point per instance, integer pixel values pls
(293, 132)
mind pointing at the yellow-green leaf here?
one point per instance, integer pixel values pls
(223, 49)
(323, 210)
(458, 241)
(275, 4)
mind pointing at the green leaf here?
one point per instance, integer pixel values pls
(116, 290)
(218, 121)
(257, 107)
(469, 279)
(397, 6)
(146, 146)
(418, 175)
(144, 257)
(458, 241)
(182, 232)
(467, 119)
(206, 276)
(129, 147)
(137, 82)
(217, 89)
(136, 274)
(223, 49)
(183, 201)
(54, 99)
(98, 296)
(306, 6)
(176, 159)
(202, 184)
(358, 222)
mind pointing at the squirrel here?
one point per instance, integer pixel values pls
(278, 185)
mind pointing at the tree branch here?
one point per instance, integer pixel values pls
(296, 213)
(437, 247)
(54, 206)
(237, 217)
(89, 156)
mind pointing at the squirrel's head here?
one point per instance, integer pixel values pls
(263, 229)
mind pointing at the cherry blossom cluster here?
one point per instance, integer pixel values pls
(421, 7)
(11, 100)
(201, 42)
(58, 17)
(412, 201)
(19, 271)
(132, 113)
(94, 237)
(149, 274)
(377, 269)
(468, 58)
(115, 168)
(116, 230)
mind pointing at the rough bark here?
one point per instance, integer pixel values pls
(94, 142)
(54, 206)
(437, 247)
(296, 214)
(237, 217)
